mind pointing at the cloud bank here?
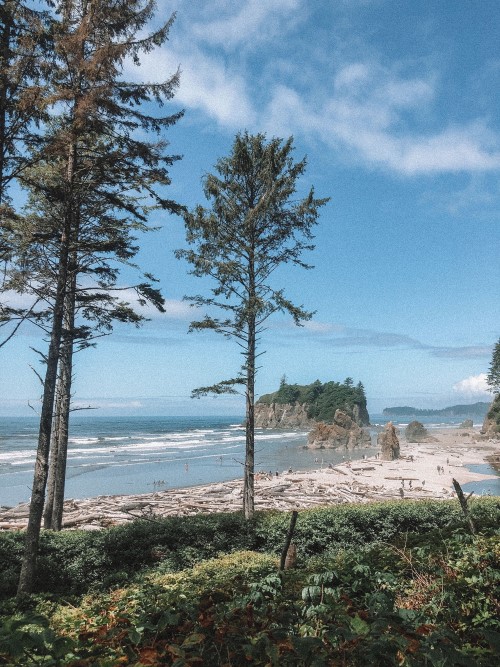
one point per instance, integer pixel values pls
(239, 70)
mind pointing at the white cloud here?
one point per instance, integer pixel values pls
(253, 21)
(380, 115)
(208, 84)
(474, 385)
(365, 115)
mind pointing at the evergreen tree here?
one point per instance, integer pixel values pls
(493, 378)
(254, 226)
(96, 143)
(24, 40)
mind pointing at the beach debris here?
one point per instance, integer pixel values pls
(388, 443)
(289, 552)
(463, 504)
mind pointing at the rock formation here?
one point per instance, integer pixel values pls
(467, 423)
(388, 443)
(301, 406)
(284, 415)
(344, 433)
(491, 424)
(415, 432)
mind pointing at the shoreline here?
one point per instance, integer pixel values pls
(424, 471)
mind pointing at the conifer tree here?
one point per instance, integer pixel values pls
(97, 144)
(24, 40)
(254, 225)
(493, 378)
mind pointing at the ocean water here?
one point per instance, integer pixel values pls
(125, 455)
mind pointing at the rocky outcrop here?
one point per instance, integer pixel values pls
(467, 423)
(286, 415)
(295, 415)
(491, 424)
(344, 433)
(415, 432)
(388, 442)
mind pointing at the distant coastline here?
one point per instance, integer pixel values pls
(471, 410)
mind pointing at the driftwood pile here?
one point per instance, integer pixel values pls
(287, 492)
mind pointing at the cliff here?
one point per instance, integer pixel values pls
(284, 415)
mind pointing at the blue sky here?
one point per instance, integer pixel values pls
(395, 104)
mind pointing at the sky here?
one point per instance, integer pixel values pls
(395, 105)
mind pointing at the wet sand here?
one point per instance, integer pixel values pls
(424, 470)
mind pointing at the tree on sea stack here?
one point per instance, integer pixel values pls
(254, 225)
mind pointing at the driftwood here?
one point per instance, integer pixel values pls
(286, 547)
(463, 504)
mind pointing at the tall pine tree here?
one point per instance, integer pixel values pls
(254, 225)
(97, 142)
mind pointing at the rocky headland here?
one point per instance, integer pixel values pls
(303, 406)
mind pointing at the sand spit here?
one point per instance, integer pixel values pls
(425, 470)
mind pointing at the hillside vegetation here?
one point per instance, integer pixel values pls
(478, 409)
(322, 399)
(388, 584)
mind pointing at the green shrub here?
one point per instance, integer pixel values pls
(73, 562)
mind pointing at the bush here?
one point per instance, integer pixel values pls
(73, 562)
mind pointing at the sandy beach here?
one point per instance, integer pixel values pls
(424, 470)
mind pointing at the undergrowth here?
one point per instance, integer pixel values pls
(418, 590)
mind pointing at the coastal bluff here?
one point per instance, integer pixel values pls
(282, 415)
(303, 406)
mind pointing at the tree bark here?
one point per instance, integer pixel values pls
(463, 504)
(288, 539)
(60, 429)
(248, 480)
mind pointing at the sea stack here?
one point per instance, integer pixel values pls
(389, 443)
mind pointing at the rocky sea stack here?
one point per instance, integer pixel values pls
(388, 443)
(416, 432)
(344, 433)
(302, 406)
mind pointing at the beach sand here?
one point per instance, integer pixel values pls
(424, 470)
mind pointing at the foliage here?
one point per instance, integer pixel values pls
(494, 412)
(321, 399)
(432, 605)
(74, 562)
(493, 377)
(478, 409)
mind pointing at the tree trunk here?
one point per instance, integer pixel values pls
(248, 479)
(28, 568)
(5, 52)
(32, 537)
(59, 448)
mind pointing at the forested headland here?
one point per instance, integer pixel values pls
(321, 399)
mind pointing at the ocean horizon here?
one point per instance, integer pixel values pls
(131, 454)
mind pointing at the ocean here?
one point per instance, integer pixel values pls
(129, 455)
